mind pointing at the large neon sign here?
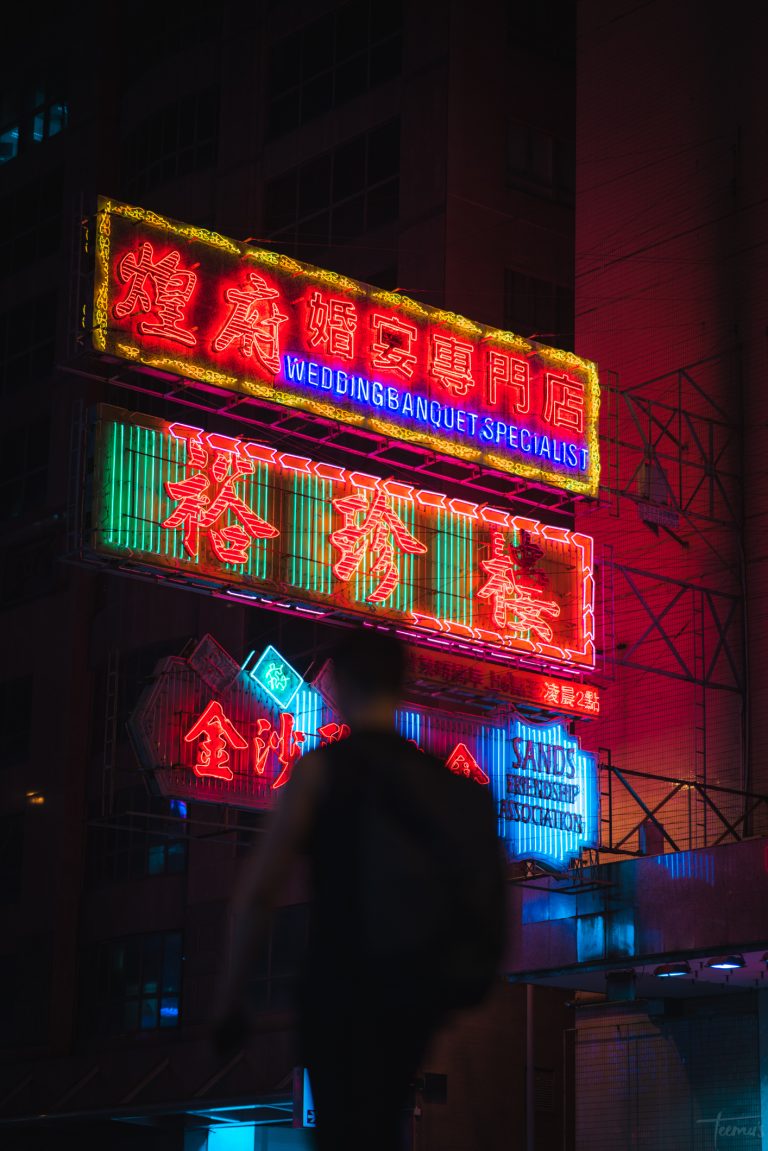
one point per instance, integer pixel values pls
(210, 730)
(185, 300)
(232, 515)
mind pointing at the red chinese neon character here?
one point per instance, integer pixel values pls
(374, 532)
(215, 732)
(551, 692)
(591, 701)
(332, 325)
(201, 506)
(513, 373)
(253, 323)
(285, 741)
(461, 761)
(451, 363)
(567, 695)
(564, 402)
(157, 287)
(516, 606)
(391, 349)
(332, 733)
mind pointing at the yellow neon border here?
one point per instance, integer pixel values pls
(106, 208)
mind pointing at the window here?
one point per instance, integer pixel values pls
(336, 58)
(30, 115)
(23, 470)
(278, 965)
(27, 343)
(11, 854)
(16, 720)
(145, 838)
(35, 209)
(174, 141)
(539, 309)
(338, 196)
(134, 984)
(29, 570)
(540, 163)
(544, 27)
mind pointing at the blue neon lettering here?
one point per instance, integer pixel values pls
(525, 440)
(572, 456)
(407, 408)
(472, 419)
(558, 459)
(294, 368)
(584, 458)
(312, 374)
(422, 409)
(377, 394)
(501, 431)
(435, 413)
(512, 438)
(535, 443)
(363, 389)
(544, 448)
(326, 379)
(486, 429)
(449, 418)
(393, 399)
(341, 377)
(461, 420)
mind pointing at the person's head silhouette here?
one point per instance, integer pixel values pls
(368, 669)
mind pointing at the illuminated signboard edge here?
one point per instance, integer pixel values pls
(269, 392)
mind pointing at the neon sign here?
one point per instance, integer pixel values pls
(549, 804)
(188, 301)
(236, 517)
(207, 729)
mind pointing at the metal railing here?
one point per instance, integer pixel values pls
(645, 814)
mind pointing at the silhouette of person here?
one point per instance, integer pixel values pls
(364, 1021)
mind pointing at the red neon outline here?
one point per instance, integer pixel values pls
(506, 370)
(394, 354)
(564, 402)
(450, 363)
(461, 761)
(330, 324)
(215, 731)
(253, 323)
(158, 286)
(380, 522)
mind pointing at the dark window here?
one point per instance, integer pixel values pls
(11, 855)
(540, 163)
(546, 28)
(539, 309)
(338, 196)
(26, 972)
(23, 470)
(133, 984)
(29, 570)
(145, 838)
(27, 343)
(30, 115)
(174, 141)
(35, 210)
(16, 719)
(278, 965)
(334, 59)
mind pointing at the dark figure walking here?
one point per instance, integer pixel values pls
(407, 898)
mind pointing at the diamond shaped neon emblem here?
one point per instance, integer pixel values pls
(276, 676)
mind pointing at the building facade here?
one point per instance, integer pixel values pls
(397, 145)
